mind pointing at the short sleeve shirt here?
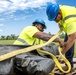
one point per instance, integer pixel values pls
(27, 35)
(71, 28)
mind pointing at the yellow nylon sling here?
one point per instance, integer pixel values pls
(31, 48)
(57, 62)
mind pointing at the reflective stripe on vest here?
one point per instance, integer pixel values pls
(23, 41)
(70, 16)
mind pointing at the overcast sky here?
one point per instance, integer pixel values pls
(17, 14)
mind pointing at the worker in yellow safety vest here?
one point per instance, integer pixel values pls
(33, 35)
(38, 63)
(65, 16)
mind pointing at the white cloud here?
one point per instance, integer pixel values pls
(1, 25)
(13, 5)
(22, 17)
(7, 7)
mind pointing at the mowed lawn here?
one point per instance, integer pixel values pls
(6, 42)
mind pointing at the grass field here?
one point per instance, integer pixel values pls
(11, 42)
(7, 41)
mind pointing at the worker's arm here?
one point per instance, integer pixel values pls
(69, 43)
(44, 36)
(61, 42)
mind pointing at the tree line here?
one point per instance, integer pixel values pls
(9, 37)
(14, 37)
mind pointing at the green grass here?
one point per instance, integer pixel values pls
(7, 41)
(12, 41)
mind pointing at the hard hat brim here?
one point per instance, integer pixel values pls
(51, 19)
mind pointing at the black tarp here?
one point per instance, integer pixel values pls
(30, 63)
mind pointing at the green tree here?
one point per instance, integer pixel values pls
(3, 37)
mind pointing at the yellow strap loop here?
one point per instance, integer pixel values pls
(31, 48)
(65, 60)
(57, 62)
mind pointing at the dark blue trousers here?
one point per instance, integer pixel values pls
(70, 53)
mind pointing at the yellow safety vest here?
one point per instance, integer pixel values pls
(26, 37)
(68, 15)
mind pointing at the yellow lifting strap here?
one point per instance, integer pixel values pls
(56, 60)
(31, 48)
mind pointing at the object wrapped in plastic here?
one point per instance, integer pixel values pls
(30, 63)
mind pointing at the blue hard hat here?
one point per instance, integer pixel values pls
(41, 21)
(52, 11)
